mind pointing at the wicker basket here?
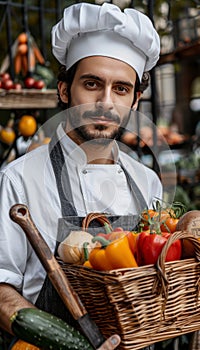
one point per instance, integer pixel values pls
(143, 305)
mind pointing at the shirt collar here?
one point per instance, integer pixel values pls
(75, 152)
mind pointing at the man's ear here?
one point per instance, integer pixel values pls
(138, 96)
(62, 88)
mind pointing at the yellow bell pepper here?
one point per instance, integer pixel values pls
(112, 255)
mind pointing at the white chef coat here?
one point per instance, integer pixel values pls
(30, 180)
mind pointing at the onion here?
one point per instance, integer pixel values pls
(71, 249)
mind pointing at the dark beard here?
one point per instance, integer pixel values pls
(97, 136)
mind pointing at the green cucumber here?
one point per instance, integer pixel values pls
(47, 331)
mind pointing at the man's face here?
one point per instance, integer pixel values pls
(103, 90)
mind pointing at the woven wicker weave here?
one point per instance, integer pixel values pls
(143, 305)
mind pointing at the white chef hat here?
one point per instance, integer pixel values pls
(92, 30)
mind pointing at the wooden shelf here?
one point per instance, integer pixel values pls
(182, 52)
(28, 99)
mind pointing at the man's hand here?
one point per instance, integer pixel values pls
(111, 343)
(10, 302)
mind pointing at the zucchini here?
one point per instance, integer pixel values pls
(47, 331)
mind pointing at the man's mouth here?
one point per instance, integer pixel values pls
(101, 117)
(102, 120)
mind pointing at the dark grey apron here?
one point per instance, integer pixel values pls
(67, 208)
(48, 298)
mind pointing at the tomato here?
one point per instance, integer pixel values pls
(7, 84)
(5, 76)
(27, 125)
(146, 216)
(169, 224)
(29, 82)
(17, 86)
(165, 214)
(39, 84)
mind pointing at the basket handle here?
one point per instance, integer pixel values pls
(101, 218)
(172, 238)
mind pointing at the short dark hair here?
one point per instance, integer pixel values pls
(67, 76)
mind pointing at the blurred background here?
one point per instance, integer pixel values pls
(28, 96)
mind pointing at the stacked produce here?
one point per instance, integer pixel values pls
(118, 248)
(26, 55)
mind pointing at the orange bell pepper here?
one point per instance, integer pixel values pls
(132, 239)
(112, 255)
(131, 235)
(98, 259)
(87, 264)
(118, 232)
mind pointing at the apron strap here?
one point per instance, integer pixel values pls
(48, 298)
(62, 178)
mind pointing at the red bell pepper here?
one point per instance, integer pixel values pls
(107, 233)
(111, 234)
(149, 247)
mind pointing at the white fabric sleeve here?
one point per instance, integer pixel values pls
(13, 242)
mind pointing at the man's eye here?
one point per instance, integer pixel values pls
(121, 89)
(91, 84)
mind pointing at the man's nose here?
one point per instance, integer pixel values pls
(105, 99)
